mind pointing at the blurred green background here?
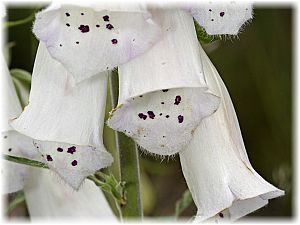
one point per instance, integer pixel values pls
(257, 69)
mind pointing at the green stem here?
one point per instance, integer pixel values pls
(183, 203)
(129, 163)
(25, 161)
(19, 198)
(20, 22)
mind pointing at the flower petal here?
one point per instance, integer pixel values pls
(13, 143)
(14, 174)
(164, 122)
(91, 40)
(48, 197)
(163, 95)
(11, 106)
(61, 115)
(222, 17)
(215, 164)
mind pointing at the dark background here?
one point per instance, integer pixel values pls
(257, 70)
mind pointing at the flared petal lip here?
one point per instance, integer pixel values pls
(113, 6)
(275, 194)
(129, 100)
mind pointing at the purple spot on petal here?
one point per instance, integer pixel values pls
(165, 90)
(77, 42)
(114, 41)
(221, 215)
(67, 14)
(106, 18)
(5, 137)
(97, 25)
(82, 14)
(180, 119)
(210, 10)
(222, 14)
(67, 24)
(212, 19)
(84, 28)
(9, 149)
(109, 26)
(49, 158)
(60, 149)
(167, 116)
(142, 116)
(71, 150)
(177, 100)
(74, 163)
(60, 45)
(151, 114)
(162, 103)
(160, 114)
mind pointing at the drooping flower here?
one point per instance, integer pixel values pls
(216, 166)
(13, 143)
(48, 197)
(66, 120)
(90, 38)
(163, 95)
(221, 17)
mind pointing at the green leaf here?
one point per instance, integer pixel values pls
(203, 37)
(184, 202)
(7, 52)
(22, 82)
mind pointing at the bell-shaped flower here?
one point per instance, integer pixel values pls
(48, 198)
(221, 17)
(216, 166)
(13, 143)
(90, 38)
(66, 120)
(163, 95)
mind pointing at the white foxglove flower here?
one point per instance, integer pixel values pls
(48, 198)
(221, 17)
(215, 163)
(65, 120)
(91, 38)
(163, 94)
(13, 143)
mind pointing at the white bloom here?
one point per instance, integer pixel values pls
(48, 197)
(91, 38)
(163, 94)
(66, 120)
(216, 166)
(221, 17)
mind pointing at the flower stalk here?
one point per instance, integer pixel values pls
(129, 163)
